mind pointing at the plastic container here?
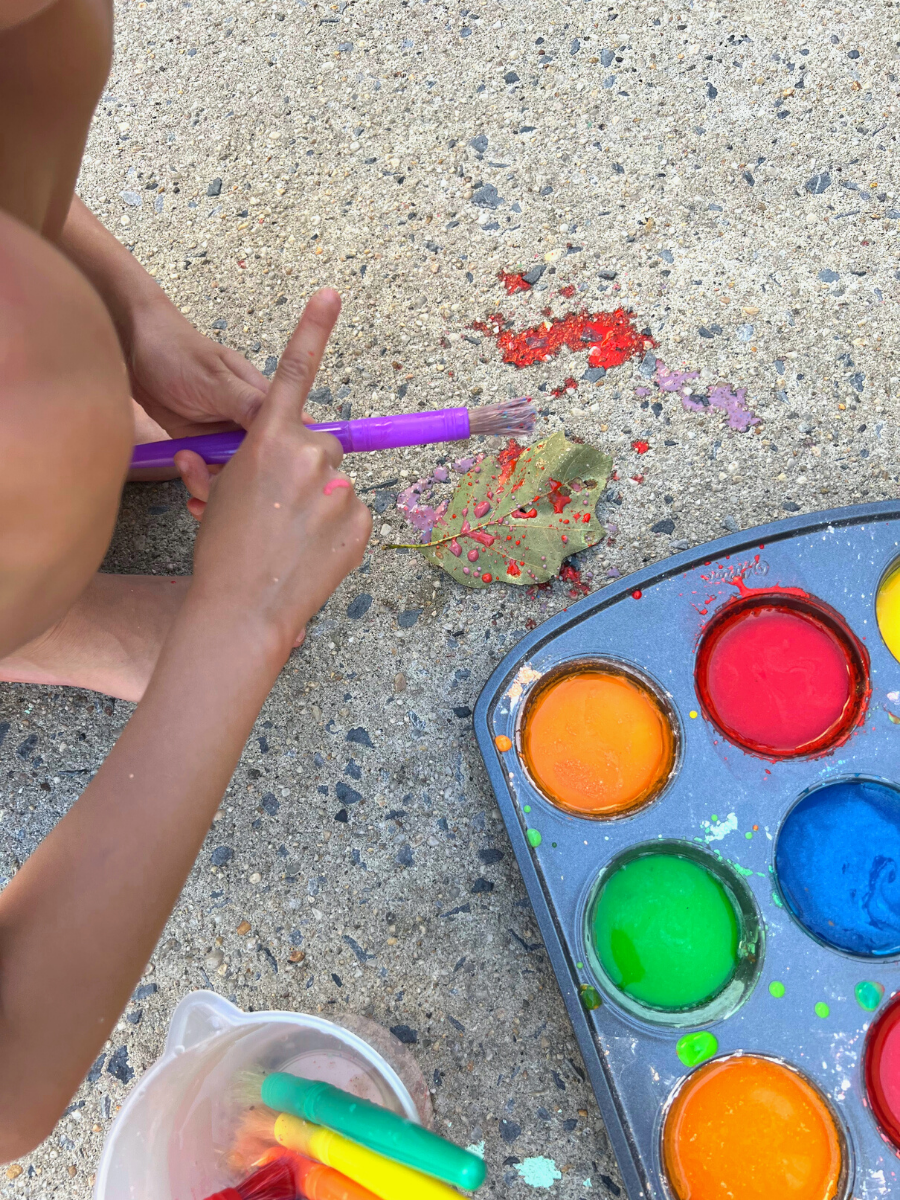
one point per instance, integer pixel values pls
(174, 1133)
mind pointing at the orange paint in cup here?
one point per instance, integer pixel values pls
(750, 1128)
(597, 741)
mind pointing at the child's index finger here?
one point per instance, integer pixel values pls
(302, 356)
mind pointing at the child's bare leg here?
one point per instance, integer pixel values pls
(108, 641)
(66, 432)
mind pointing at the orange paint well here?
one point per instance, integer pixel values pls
(598, 742)
(749, 1128)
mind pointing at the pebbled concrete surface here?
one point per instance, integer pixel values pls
(728, 172)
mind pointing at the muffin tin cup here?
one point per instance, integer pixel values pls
(844, 1186)
(750, 952)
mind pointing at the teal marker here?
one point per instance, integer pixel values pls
(375, 1127)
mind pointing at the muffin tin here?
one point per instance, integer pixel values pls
(780, 720)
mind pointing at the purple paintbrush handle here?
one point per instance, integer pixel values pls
(368, 433)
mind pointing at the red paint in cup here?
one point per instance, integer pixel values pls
(882, 1070)
(781, 676)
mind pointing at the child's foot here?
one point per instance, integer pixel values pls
(109, 640)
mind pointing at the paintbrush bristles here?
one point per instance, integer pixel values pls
(512, 418)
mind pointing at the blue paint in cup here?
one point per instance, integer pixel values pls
(837, 862)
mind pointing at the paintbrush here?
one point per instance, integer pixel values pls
(369, 1124)
(276, 1180)
(315, 1181)
(512, 418)
(262, 1128)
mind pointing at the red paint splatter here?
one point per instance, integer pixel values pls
(472, 556)
(479, 535)
(455, 548)
(640, 446)
(513, 570)
(568, 291)
(636, 594)
(638, 478)
(610, 338)
(507, 458)
(486, 577)
(572, 576)
(571, 382)
(557, 498)
(513, 282)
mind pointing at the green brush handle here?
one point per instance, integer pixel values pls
(375, 1127)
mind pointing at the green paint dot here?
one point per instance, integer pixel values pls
(695, 1048)
(534, 837)
(553, 844)
(714, 817)
(527, 808)
(748, 836)
(869, 995)
(822, 1010)
(579, 966)
(776, 900)
(590, 997)
(776, 989)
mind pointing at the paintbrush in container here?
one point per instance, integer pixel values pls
(512, 418)
(262, 1128)
(315, 1181)
(275, 1180)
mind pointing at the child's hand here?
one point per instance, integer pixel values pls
(187, 382)
(284, 526)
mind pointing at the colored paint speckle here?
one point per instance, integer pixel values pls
(589, 997)
(539, 1172)
(534, 837)
(526, 808)
(695, 1048)
(333, 484)
(869, 995)
(777, 989)
(636, 594)
(693, 714)
(503, 743)
(822, 1010)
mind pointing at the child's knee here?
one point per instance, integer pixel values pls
(65, 433)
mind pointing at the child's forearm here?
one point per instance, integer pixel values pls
(80, 919)
(125, 286)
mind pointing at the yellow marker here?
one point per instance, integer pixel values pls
(887, 609)
(387, 1179)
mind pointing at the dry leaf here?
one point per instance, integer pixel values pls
(515, 517)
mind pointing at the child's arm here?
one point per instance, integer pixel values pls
(80, 919)
(183, 380)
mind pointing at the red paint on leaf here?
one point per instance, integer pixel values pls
(486, 577)
(557, 497)
(512, 569)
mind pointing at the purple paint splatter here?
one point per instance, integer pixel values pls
(697, 398)
(423, 516)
